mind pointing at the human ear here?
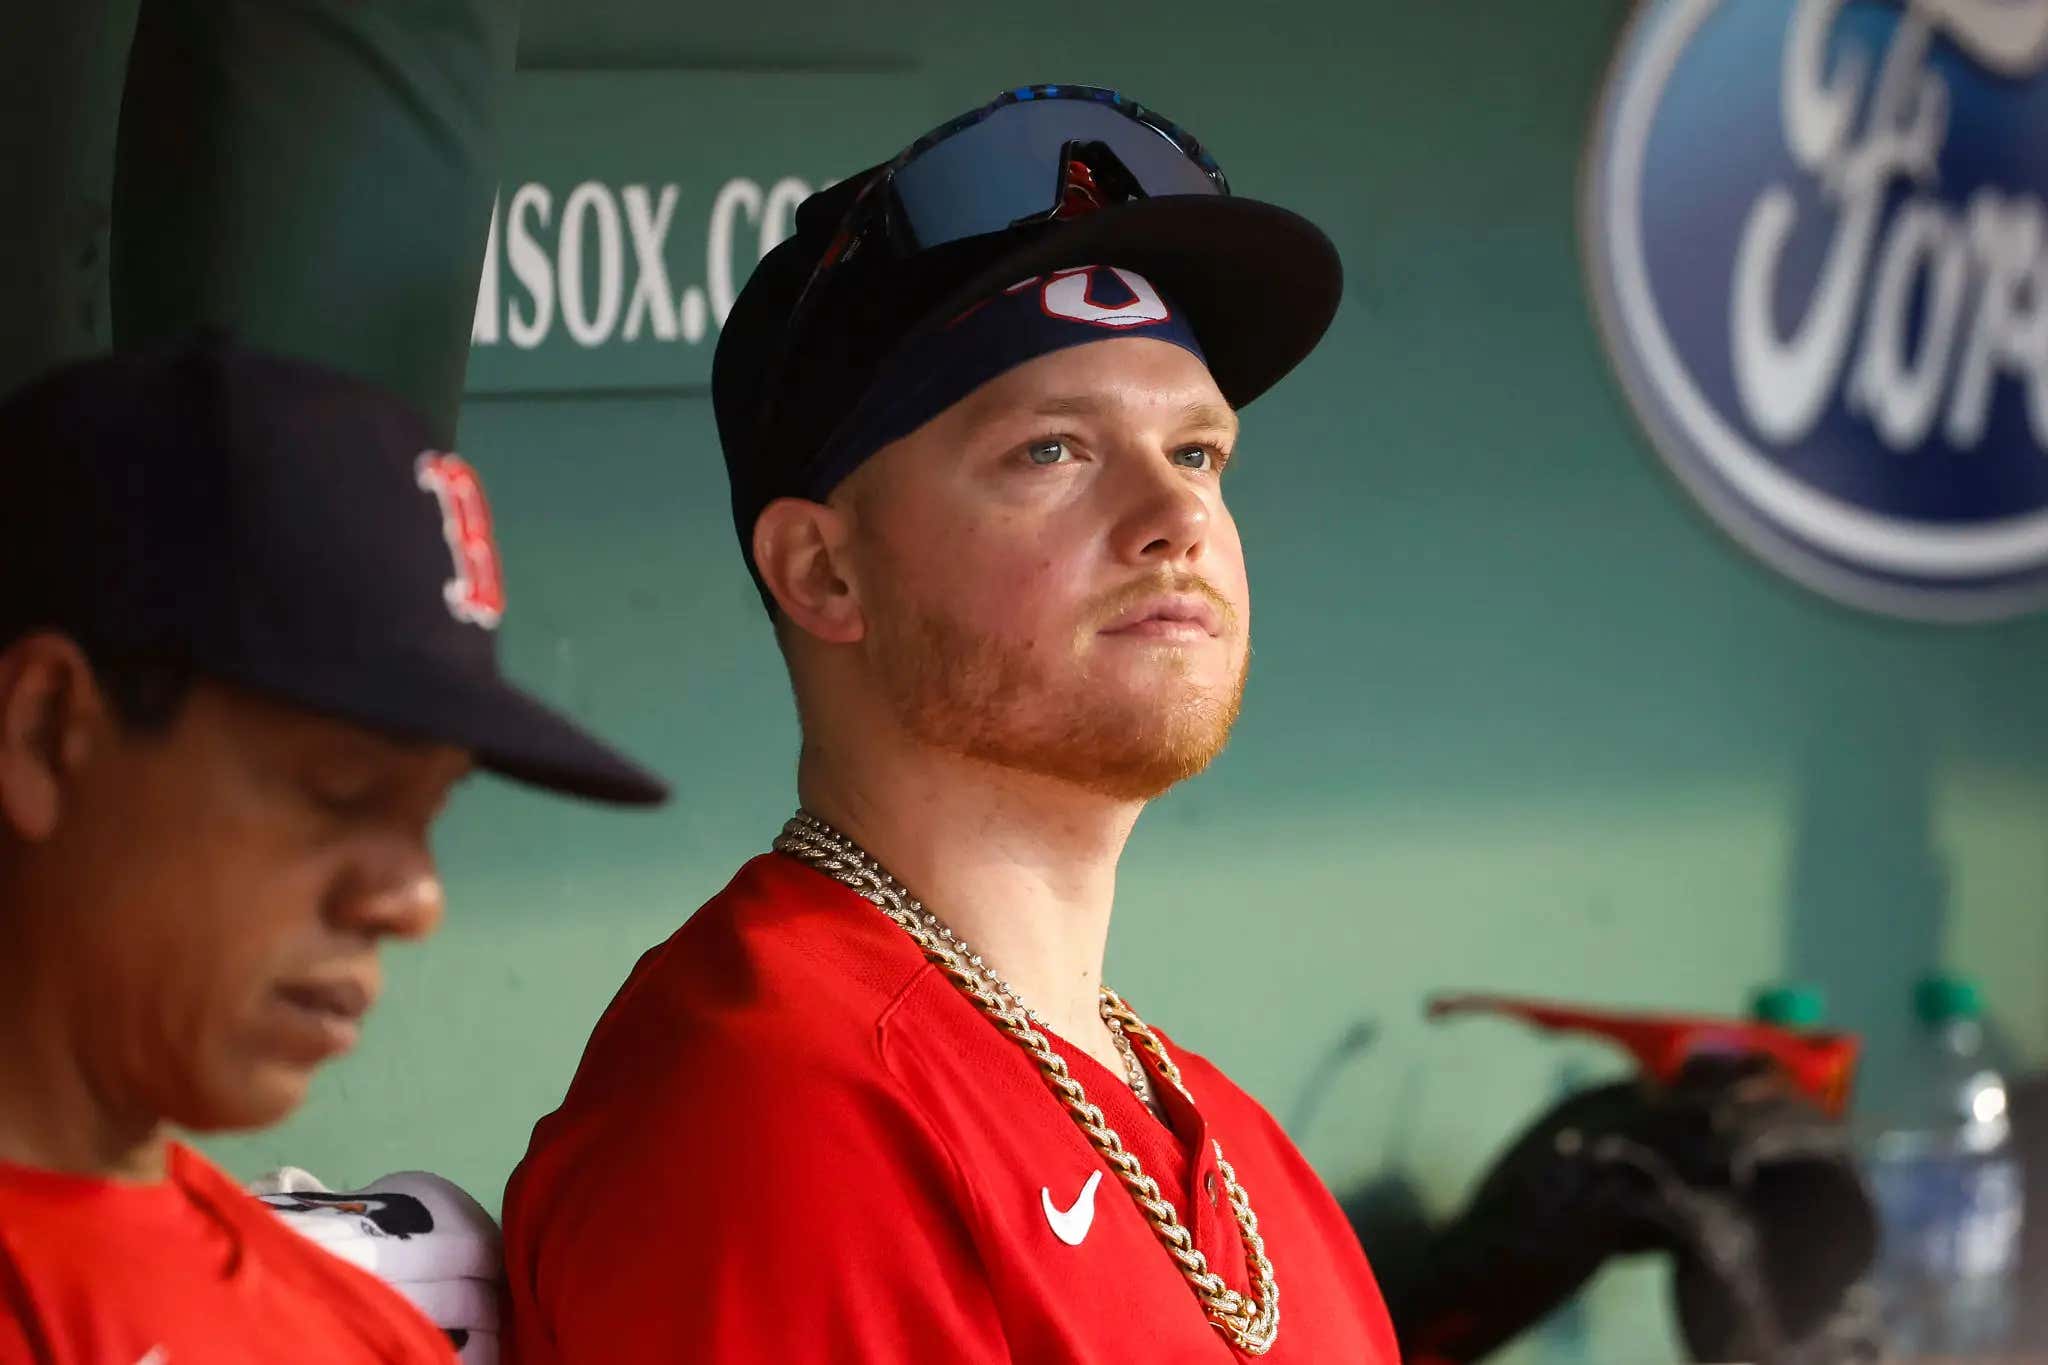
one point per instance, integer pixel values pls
(800, 551)
(50, 709)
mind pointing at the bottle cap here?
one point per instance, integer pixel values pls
(1942, 999)
(1791, 1004)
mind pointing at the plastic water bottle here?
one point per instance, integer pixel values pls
(1940, 1164)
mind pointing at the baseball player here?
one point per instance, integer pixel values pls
(874, 1102)
(246, 650)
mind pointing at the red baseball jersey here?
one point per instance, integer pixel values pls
(793, 1139)
(188, 1270)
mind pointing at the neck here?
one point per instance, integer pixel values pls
(1022, 868)
(53, 1116)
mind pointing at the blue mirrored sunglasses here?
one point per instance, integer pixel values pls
(1031, 155)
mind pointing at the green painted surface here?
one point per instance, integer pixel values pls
(1520, 719)
(611, 261)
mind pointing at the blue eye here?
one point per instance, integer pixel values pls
(1203, 458)
(1049, 452)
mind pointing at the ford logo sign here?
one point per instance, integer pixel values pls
(1815, 241)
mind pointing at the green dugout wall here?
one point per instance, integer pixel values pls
(1520, 719)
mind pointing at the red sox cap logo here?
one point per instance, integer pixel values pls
(476, 593)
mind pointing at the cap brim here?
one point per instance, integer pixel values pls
(531, 743)
(1261, 283)
(509, 732)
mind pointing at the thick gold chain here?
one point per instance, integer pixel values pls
(1134, 1070)
(1250, 1322)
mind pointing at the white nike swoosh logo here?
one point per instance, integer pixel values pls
(1071, 1225)
(156, 1355)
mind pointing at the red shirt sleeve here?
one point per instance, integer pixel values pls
(188, 1268)
(810, 1219)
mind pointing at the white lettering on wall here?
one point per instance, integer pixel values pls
(590, 202)
(483, 329)
(529, 265)
(735, 197)
(602, 267)
(648, 221)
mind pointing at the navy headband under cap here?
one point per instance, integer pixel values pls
(1032, 318)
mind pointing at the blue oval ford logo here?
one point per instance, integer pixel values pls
(1815, 238)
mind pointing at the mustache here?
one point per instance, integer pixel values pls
(1107, 607)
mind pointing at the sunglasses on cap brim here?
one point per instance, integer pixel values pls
(1017, 160)
(1032, 155)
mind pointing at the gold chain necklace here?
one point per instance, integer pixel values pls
(1134, 1070)
(1249, 1322)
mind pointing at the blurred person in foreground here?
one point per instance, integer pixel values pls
(247, 619)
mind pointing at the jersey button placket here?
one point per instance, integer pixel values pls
(1209, 1216)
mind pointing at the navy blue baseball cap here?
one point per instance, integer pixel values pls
(934, 369)
(277, 525)
(1042, 180)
